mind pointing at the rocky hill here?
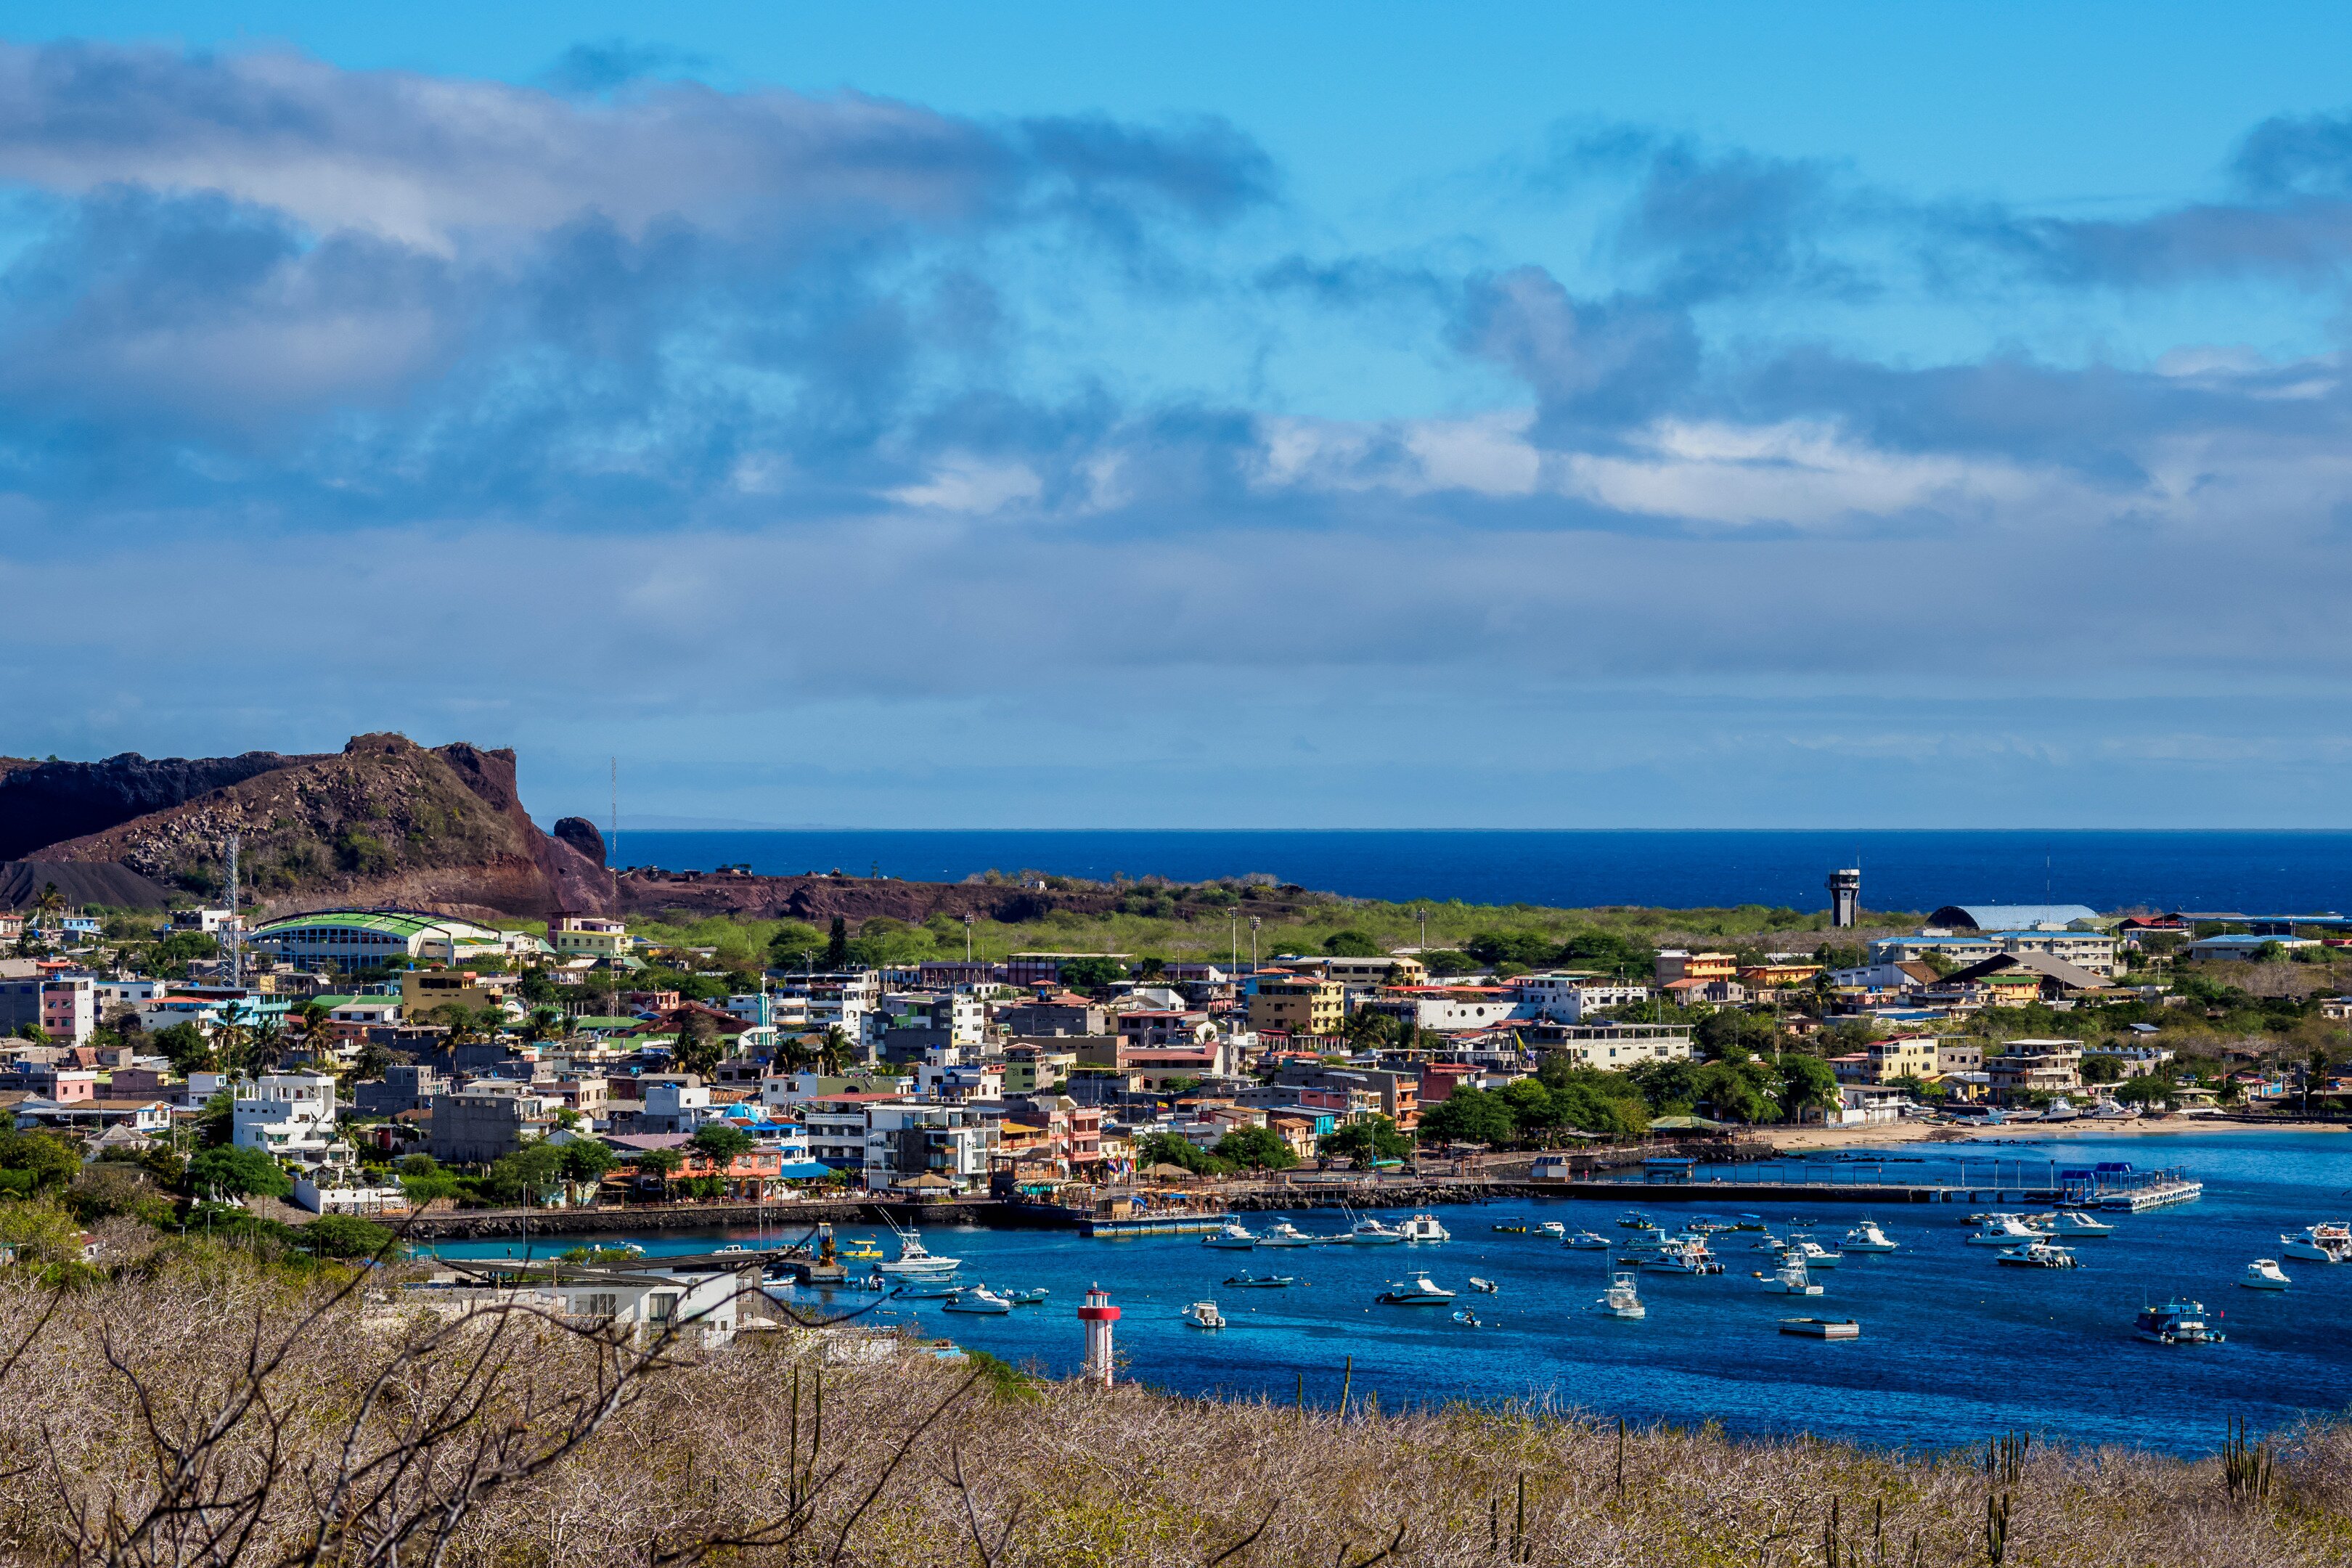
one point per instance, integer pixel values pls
(384, 821)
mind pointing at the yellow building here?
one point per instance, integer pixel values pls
(587, 936)
(1297, 1004)
(1911, 1055)
(1681, 963)
(1772, 976)
(423, 990)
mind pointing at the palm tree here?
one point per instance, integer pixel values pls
(50, 903)
(833, 1053)
(231, 1039)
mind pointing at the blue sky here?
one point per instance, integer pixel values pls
(1306, 416)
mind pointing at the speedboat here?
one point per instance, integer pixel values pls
(928, 1291)
(1418, 1291)
(1467, 1317)
(1816, 1255)
(1553, 1228)
(1234, 1234)
(1424, 1227)
(1260, 1281)
(2076, 1225)
(1586, 1241)
(1513, 1228)
(1790, 1279)
(2177, 1322)
(2004, 1230)
(2060, 1110)
(1371, 1232)
(2037, 1255)
(1684, 1255)
(2264, 1274)
(1634, 1219)
(2328, 1242)
(1621, 1299)
(1483, 1286)
(914, 1258)
(1867, 1237)
(1282, 1233)
(1204, 1315)
(1030, 1298)
(2114, 1110)
(978, 1298)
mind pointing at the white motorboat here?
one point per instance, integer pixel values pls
(2076, 1225)
(915, 1260)
(977, 1298)
(1867, 1237)
(2327, 1242)
(1684, 1255)
(1621, 1299)
(1586, 1241)
(1233, 1235)
(2264, 1274)
(1424, 1227)
(1371, 1232)
(1282, 1233)
(2004, 1230)
(1033, 1297)
(1790, 1279)
(1420, 1291)
(1554, 1229)
(1204, 1315)
(1483, 1286)
(2037, 1255)
(2177, 1322)
(2060, 1110)
(1815, 1255)
(1248, 1281)
(2114, 1110)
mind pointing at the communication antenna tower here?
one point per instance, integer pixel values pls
(235, 948)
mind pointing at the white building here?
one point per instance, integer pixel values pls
(1567, 998)
(675, 1107)
(1451, 1013)
(904, 1141)
(1615, 1049)
(290, 1115)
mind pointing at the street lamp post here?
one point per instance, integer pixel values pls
(1254, 925)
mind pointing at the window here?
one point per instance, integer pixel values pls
(660, 1306)
(602, 1305)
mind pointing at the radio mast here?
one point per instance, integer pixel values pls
(236, 949)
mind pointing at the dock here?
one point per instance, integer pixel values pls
(1152, 1225)
(1720, 1192)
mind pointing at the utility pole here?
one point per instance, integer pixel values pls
(235, 948)
(966, 937)
(613, 846)
(1254, 925)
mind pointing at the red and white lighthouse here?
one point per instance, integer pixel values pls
(1098, 1315)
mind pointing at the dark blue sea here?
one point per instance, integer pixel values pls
(2254, 872)
(1954, 1346)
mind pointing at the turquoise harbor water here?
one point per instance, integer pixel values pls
(1954, 1346)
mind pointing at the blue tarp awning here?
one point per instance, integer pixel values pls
(805, 1170)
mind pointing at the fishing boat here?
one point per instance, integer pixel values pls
(1586, 1241)
(2076, 1225)
(1620, 1299)
(2177, 1322)
(1867, 1237)
(2060, 1110)
(1483, 1286)
(1233, 1235)
(2037, 1255)
(1634, 1219)
(1816, 1255)
(1204, 1315)
(979, 1299)
(1790, 1279)
(1424, 1227)
(914, 1258)
(2264, 1274)
(1369, 1231)
(1553, 1228)
(1684, 1255)
(2004, 1230)
(2327, 1242)
(1035, 1296)
(2114, 1110)
(1261, 1281)
(1418, 1291)
(860, 1250)
(1513, 1228)
(1282, 1233)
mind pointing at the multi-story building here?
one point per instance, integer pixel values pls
(1445, 1009)
(1906, 1056)
(290, 1116)
(63, 1008)
(1611, 1048)
(1051, 1015)
(587, 936)
(422, 990)
(2025, 1066)
(906, 1140)
(488, 1119)
(1034, 1067)
(1681, 963)
(1567, 998)
(1296, 1005)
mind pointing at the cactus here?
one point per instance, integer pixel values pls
(2245, 1466)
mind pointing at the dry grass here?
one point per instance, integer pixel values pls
(918, 1462)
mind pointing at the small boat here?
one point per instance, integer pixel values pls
(1634, 1219)
(2264, 1274)
(1204, 1315)
(1513, 1228)
(1816, 1255)
(2004, 1230)
(866, 1282)
(1424, 1227)
(1822, 1327)
(1369, 1231)
(1621, 1299)
(1483, 1286)
(1586, 1241)
(1030, 1298)
(2177, 1322)
(1463, 1315)
(1867, 1237)
(861, 1250)
(2060, 1110)
(2037, 1255)
(979, 1299)
(927, 1291)
(2328, 1242)
(1282, 1233)
(1231, 1235)
(1418, 1291)
(1553, 1228)
(2076, 1225)
(2115, 1110)
(1260, 1281)
(1684, 1255)
(914, 1258)
(1790, 1279)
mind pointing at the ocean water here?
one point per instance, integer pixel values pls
(1954, 1346)
(2256, 872)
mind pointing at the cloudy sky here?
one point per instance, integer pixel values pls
(1195, 416)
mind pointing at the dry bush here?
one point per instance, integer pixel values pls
(518, 1440)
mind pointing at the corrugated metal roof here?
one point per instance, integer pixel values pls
(2011, 916)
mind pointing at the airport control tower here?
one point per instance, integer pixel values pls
(1845, 895)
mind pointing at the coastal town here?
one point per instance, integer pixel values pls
(389, 1063)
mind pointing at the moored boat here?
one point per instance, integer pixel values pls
(1816, 1255)
(1483, 1286)
(1369, 1231)
(2327, 1242)
(1035, 1296)
(978, 1298)
(1621, 1299)
(2004, 1230)
(2076, 1225)
(1867, 1237)
(1233, 1236)
(1790, 1279)
(1553, 1228)
(1204, 1315)
(1261, 1281)
(1822, 1327)
(2177, 1322)
(915, 1260)
(2264, 1274)
(2037, 1255)
(1424, 1227)
(1586, 1241)
(1282, 1233)
(1420, 1291)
